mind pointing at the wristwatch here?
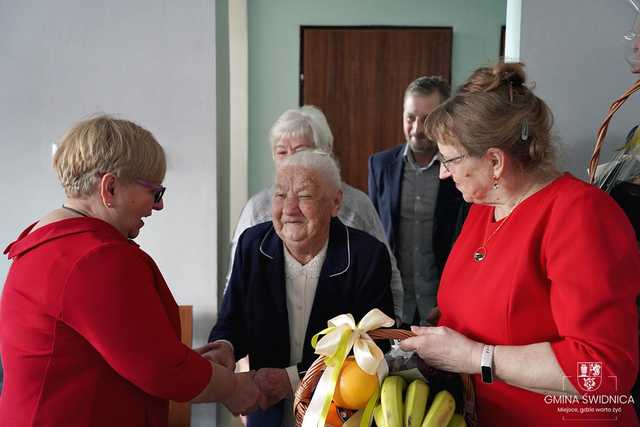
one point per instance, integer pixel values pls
(486, 364)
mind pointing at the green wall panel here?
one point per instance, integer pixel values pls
(274, 46)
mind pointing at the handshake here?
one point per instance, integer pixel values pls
(263, 388)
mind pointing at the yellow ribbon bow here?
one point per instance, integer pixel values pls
(339, 338)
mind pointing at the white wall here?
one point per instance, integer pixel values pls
(573, 51)
(150, 61)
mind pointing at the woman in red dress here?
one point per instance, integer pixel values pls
(89, 331)
(538, 296)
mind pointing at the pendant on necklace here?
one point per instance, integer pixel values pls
(480, 254)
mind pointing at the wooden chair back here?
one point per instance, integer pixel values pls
(180, 412)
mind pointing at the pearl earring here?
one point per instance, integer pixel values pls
(495, 182)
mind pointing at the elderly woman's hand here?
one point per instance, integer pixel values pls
(274, 384)
(444, 348)
(246, 397)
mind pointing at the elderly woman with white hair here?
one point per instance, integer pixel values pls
(306, 128)
(292, 274)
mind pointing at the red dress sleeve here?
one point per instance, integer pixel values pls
(112, 301)
(594, 267)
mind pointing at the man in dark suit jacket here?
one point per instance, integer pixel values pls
(420, 213)
(258, 313)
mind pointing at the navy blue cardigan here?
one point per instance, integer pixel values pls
(354, 279)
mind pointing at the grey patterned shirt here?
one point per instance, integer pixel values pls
(416, 259)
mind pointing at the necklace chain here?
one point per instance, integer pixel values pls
(481, 253)
(77, 211)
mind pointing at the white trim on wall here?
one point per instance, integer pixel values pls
(238, 110)
(512, 36)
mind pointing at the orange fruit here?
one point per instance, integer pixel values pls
(333, 418)
(354, 387)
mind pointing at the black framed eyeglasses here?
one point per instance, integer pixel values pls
(445, 162)
(158, 190)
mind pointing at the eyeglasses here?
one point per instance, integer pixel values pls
(444, 162)
(158, 190)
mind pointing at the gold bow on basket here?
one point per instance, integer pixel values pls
(315, 392)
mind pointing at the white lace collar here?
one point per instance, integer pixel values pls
(312, 269)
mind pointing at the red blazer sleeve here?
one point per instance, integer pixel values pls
(594, 266)
(111, 300)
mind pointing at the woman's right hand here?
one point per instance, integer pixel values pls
(246, 397)
(237, 391)
(444, 348)
(218, 352)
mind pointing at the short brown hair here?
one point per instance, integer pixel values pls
(492, 109)
(427, 85)
(104, 144)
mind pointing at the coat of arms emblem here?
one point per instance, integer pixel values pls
(589, 375)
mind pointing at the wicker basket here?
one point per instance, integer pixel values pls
(312, 376)
(602, 131)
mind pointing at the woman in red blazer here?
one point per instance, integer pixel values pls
(538, 296)
(89, 331)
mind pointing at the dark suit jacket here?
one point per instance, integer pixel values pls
(354, 279)
(385, 182)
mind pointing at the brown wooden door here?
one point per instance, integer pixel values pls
(358, 75)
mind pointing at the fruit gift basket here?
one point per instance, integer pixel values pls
(620, 177)
(339, 390)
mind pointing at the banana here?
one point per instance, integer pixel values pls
(457, 421)
(378, 416)
(441, 410)
(415, 403)
(391, 400)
